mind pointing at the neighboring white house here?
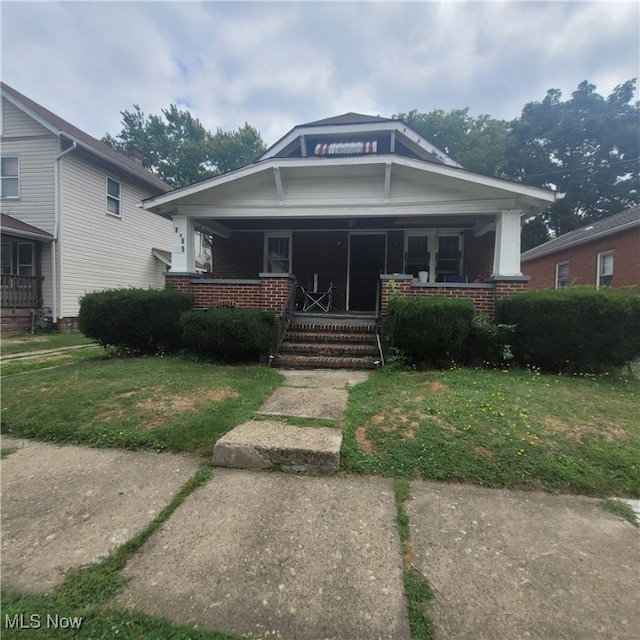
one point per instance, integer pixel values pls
(72, 221)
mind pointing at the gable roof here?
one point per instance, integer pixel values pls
(12, 226)
(347, 118)
(61, 127)
(357, 127)
(626, 219)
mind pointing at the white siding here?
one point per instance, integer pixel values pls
(37, 148)
(100, 251)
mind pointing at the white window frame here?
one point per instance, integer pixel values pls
(112, 198)
(11, 177)
(563, 284)
(277, 234)
(603, 270)
(433, 244)
(31, 264)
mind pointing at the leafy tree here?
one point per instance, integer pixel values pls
(586, 147)
(177, 147)
(477, 143)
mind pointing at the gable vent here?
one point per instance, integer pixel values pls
(345, 148)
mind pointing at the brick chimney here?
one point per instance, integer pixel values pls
(134, 153)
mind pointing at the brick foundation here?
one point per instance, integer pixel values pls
(16, 321)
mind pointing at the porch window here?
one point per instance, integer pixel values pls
(562, 275)
(19, 258)
(605, 269)
(277, 253)
(113, 197)
(436, 252)
(10, 177)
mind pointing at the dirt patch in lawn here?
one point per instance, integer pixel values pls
(363, 442)
(155, 410)
(576, 431)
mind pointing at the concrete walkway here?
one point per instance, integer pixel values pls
(276, 555)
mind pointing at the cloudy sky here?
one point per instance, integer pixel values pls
(277, 64)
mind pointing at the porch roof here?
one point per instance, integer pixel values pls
(14, 227)
(378, 185)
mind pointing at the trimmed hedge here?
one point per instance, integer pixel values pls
(429, 330)
(578, 329)
(141, 320)
(228, 334)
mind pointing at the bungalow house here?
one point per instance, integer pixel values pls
(606, 252)
(71, 220)
(364, 200)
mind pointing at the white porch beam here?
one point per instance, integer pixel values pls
(506, 260)
(387, 182)
(183, 254)
(279, 188)
(392, 148)
(215, 228)
(303, 146)
(483, 228)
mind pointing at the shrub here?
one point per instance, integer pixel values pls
(228, 334)
(141, 320)
(575, 329)
(488, 342)
(429, 330)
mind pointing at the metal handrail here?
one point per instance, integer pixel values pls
(283, 322)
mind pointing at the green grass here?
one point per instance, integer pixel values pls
(159, 403)
(85, 592)
(41, 342)
(417, 589)
(622, 510)
(34, 363)
(513, 428)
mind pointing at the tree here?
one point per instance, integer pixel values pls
(476, 143)
(587, 147)
(178, 148)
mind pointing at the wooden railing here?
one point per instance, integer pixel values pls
(21, 292)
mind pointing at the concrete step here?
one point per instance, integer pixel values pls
(332, 327)
(329, 348)
(263, 444)
(294, 361)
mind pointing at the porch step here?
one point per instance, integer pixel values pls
(330, 348)
(296, 361)
(262, 444)
(329, 341)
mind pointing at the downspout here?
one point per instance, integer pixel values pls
(56, 228)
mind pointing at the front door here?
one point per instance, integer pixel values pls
(367, 257)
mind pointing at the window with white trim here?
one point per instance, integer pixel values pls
(113, 197)
(277, 252)
(562, 275)
(439, 253)
(10, 177)
(605, 269)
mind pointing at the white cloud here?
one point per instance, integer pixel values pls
(276, 64)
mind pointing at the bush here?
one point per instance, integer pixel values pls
(488, 342)
(141, 320)
(577, 329)
(429, 330)
(227, 334)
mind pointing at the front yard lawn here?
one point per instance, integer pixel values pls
(513, 428)
(159, 403)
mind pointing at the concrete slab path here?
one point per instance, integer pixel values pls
(278, 556)
(514, 564)
(63, 507)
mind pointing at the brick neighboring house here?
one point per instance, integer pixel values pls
(364, 199)
(606, 252)
(71, 221)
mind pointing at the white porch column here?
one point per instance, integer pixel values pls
(506, 258)
(183, 254)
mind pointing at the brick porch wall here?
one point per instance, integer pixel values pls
(482, 295)
(270, 292)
